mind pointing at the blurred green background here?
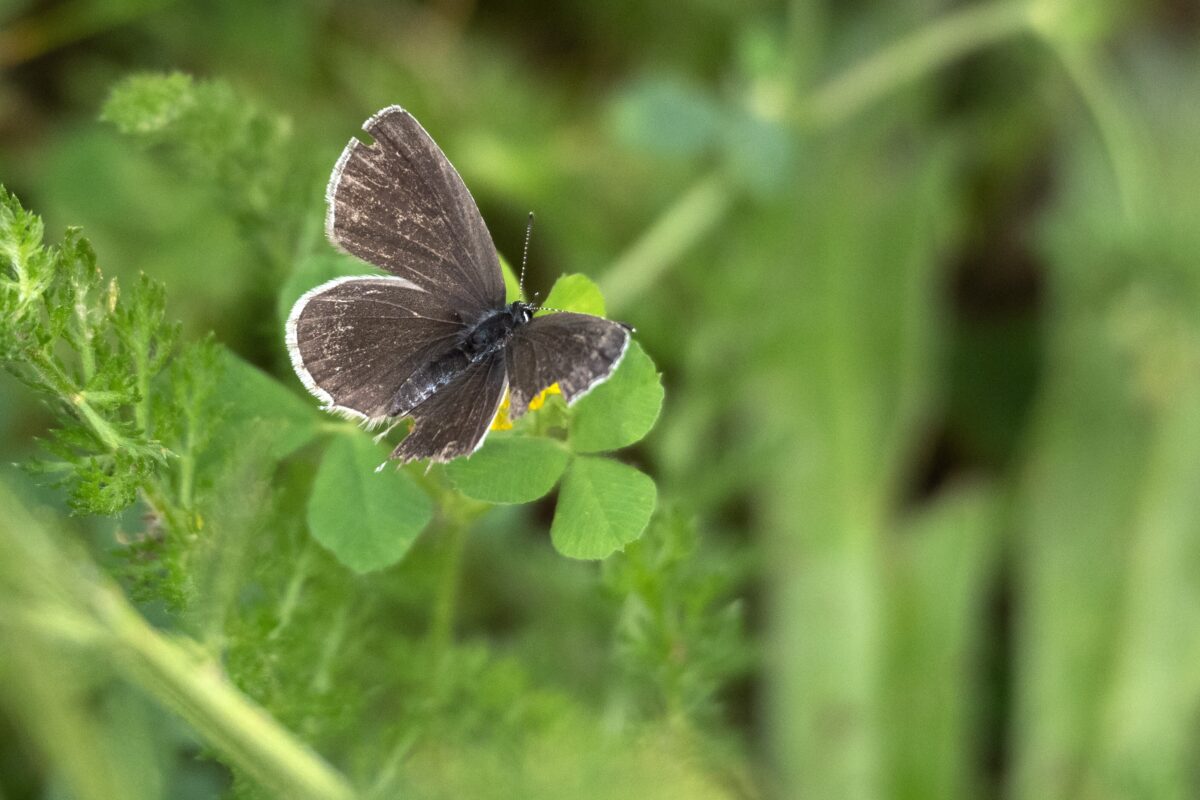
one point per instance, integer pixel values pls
(923, 281)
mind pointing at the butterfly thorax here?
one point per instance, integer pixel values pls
(478, 341)
(495, 329)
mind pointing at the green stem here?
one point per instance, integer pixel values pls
(242, 732)
(156, 497)
(441, 623)
(51, 376)
(936, 45)
(322, 680)
(696, 213)
(187, 469)
(38, 571)
(141, 411)
(1116, 134)
(291, 595)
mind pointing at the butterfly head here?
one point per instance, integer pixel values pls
(520, 312)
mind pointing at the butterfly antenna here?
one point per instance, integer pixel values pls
(525, 253)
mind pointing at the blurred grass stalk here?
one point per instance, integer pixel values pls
(61, 620)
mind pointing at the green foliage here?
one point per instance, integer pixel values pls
(510, 469)
(680, 635)
(206, 130)
(604, 505)
(260, 408)
(925, 288)
(366, 514)
(100, 361)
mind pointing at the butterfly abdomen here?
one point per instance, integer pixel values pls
(477, 343)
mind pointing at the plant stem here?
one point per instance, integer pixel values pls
(1116, 134)
(441, 624)
(38, 572)
(291, 595)
(241, 731)
(678, 229)
(157, 498)
(936, 45)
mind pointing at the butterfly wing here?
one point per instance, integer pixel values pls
(455, 420)
(576, 351)
(354, 341)
(399, 204)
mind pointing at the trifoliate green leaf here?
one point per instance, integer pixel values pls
(510, 469)
(621, 410)
(367, 519)
(603, 505)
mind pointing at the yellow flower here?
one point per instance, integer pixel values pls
(503, 423)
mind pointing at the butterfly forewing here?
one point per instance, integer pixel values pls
(399, 204)
(353, 341)
(455, 420)
(576, 351)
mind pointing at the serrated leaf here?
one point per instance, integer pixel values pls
(621, 410)
(253, 400)
(367, 519)
(149, 103)
(603, 505)
(510, 469)
(576, 293)
(108, 486)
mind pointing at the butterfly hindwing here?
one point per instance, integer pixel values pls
(576, 351)
(399, 204)
(353, 341)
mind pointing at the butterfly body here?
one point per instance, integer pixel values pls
(478, 342)
(434, 339)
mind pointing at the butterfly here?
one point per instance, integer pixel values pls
(434, 339)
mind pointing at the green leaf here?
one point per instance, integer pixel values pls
(256, 402)
(510, 469)
(603, 505)
(367, 519)
(576, 293)
(621, 410)
(512, 283)
(26, 267)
